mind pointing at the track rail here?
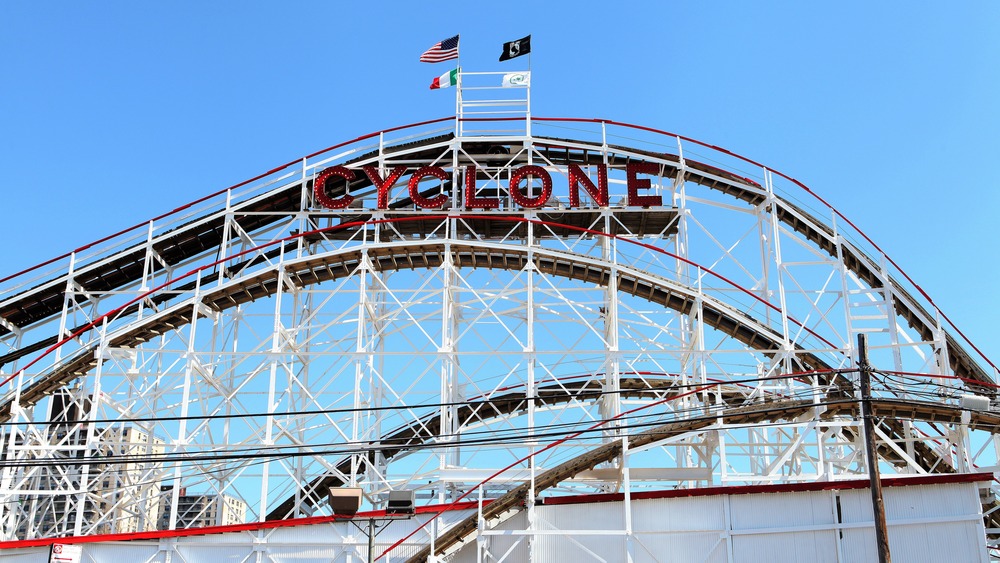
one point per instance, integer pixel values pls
(497, 406)
(735, 397)
(333, 266)
(202, 235)
(318, 269)
(505, 506)
(195, 241)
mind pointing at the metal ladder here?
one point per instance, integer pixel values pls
(482, 99)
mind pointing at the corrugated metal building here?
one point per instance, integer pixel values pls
(934, 518)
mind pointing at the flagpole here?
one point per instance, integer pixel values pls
(458, 89)
(528, 116)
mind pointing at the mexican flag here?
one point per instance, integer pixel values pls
(447, 79)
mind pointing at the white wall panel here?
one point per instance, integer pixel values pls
(807, 517)
(903, 503)
(709, 547)
(795, 547)
(30, 555)
(33, 555)
(513, 547)
(685, 514)
(602, 516)
(944, 523)
(131, 552)
(773, 510)
(691, 530)
(930, 523)
(214, 553)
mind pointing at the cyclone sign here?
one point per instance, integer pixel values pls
(636, 186)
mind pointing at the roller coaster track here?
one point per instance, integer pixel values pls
(194, 239)
(498, 406)
(514, 500)
(333, 266)
(329, 267)
(198, 236)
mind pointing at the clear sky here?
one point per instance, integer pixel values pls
(114, 112)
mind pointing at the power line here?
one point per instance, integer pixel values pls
(593, 434)
(589, 393)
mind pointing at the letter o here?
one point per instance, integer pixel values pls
(523, 200)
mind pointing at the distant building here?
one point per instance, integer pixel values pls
(130, 491)
(201, 510)
(92, 498)
(83, 485)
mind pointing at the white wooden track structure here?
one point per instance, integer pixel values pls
(257, 348)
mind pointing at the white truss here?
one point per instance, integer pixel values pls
(256, 344)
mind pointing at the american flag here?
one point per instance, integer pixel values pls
(441, 51)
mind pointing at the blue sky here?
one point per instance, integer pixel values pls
(115, 112)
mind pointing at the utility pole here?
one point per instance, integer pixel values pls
(871, 457)
(371, 540)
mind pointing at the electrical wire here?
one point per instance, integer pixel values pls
(514, 436)
(593, 433)
(589, 393)
(507, 438)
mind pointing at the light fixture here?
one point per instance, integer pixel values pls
(344, 501)
(400, 502)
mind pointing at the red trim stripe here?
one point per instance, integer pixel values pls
(547, 501)
(209, 530)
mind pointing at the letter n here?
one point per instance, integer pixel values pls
(598, 193)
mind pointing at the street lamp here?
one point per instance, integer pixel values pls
(400, 503)
(346, 501)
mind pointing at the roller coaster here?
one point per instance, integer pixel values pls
(418, 309)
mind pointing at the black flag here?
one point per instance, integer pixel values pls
(516, 48)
